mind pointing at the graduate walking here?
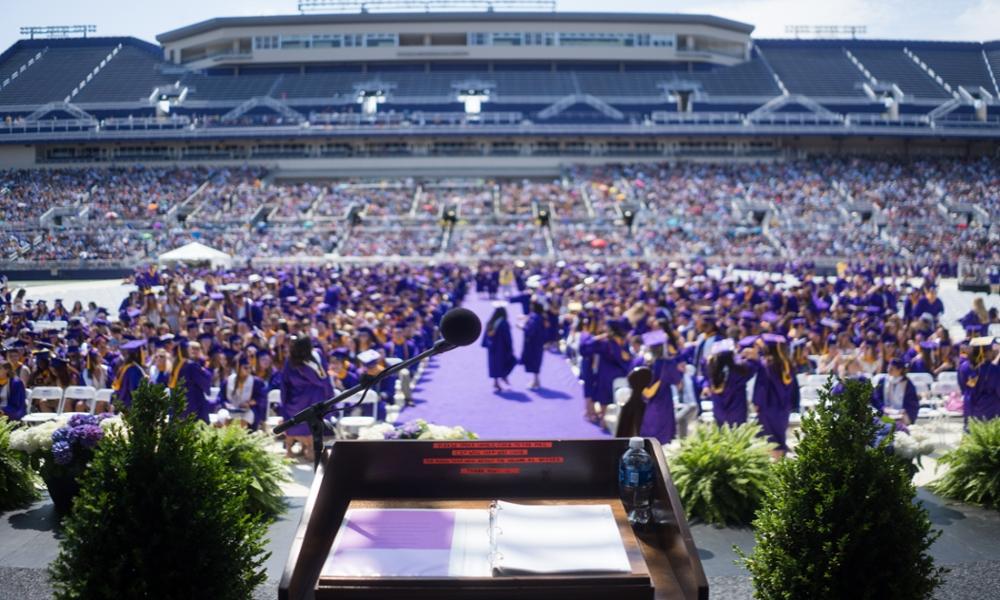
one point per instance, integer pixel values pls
(534, 343)
(499, 347)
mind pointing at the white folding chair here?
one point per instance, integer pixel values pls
(43, 393)
(619, 382)
(994, 330)
(103, 395)
(877, 379)
(350, 424)
(817, 380)
(803, 379)
(611, 418)
(948, 377)
(808, 397)
(622, 395)
(921, 379)
(273, 400)
(74, 393)
(944, 388)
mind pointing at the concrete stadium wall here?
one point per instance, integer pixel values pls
(17, 157)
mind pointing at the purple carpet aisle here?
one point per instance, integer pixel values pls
(456, 390)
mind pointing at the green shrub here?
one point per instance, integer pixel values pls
(17, 479)
(721, 474)
(248, 453)
(159, 515)
(974, 466)
(840, 520)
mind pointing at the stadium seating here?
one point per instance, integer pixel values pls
(963, 67)
(53, 78)
(890, 65)
(813, 70)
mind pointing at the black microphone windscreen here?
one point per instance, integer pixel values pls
(460, 327)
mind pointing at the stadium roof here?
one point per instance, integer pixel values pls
(446, 17)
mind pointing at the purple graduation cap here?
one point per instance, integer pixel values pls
(828, 322)
(216, 296)
(928, 344)
(133, 345)
(654, 338)
(368, 357)
(897, 363)
(773, 338)
(721, 346)
(769, 317)
(748, 341)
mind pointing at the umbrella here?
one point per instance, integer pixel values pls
(598, 243)
(111, 215)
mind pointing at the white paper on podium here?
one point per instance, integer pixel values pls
(558, 538)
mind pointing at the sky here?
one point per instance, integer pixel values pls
(975, 20)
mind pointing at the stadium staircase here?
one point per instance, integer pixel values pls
(32, 58)
(93, 73)
(931, 73)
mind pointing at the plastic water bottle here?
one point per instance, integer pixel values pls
(635, 480)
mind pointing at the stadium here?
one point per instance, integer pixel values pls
(669, 228)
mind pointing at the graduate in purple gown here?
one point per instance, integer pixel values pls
(588, 375)
(303, 383)
(613, 360)
(130, 373)
(897, 392)
(13, 404)
(776, 391)
(499, 347)
(191, 374)
(659, 420)
(534, 343)
(981, 381)
(726, 384)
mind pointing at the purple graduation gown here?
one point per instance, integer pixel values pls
(659, 419)
(130, 381)
(197, 382)
(729, 407)
(984, 395)
(499, 350)
(775, 402)
(587, 375)
(301, 387)
(911, 404)
(613, 362)
(534, 343)
(16, 405)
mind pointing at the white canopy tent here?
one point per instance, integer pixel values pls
(196, 253)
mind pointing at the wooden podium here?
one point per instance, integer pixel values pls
(468, 474)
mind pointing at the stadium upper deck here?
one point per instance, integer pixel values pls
(638, 80)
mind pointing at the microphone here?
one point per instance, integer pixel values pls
(459, 327)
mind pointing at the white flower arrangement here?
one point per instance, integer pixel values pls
(32, 440)
(418, 429)
(913, 444)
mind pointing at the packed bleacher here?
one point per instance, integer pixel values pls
(918, 213)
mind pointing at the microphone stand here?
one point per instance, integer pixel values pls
(314, 414)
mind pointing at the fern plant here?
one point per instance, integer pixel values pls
(974, 466)
(840, 520)
(17, 479)
(721, 473)
(248, 453)
(159, 514)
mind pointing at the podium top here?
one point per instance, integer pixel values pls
(431, 471)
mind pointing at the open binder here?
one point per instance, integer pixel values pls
(530, 539)
(506, 539)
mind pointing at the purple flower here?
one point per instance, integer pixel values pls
(82, 419)
(63, 434)
(392, 435)
(410, 429)
(88, 435)
(104, 417)
(62, 452)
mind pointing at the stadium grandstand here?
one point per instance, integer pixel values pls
(368, 129)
